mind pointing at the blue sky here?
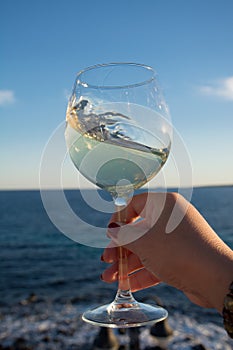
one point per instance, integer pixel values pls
(45, 43)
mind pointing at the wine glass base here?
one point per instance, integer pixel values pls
(124, 317)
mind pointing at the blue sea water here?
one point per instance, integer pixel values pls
(40, 264)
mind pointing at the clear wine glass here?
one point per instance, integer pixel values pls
(118, 134)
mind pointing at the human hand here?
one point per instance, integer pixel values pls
(174, 244)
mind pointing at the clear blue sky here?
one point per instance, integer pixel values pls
(44, 43)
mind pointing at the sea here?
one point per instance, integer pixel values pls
(47, 280)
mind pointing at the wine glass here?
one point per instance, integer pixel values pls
(118, 135)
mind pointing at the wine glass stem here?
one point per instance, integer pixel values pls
(123, 278)
(124, 292)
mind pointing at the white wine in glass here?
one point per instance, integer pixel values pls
(118, 134)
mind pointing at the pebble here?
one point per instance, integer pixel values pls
(105, 340)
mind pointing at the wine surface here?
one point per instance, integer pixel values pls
(111, 150)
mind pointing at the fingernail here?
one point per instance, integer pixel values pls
(113, 225)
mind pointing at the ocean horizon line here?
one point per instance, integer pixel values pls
(36, 189)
